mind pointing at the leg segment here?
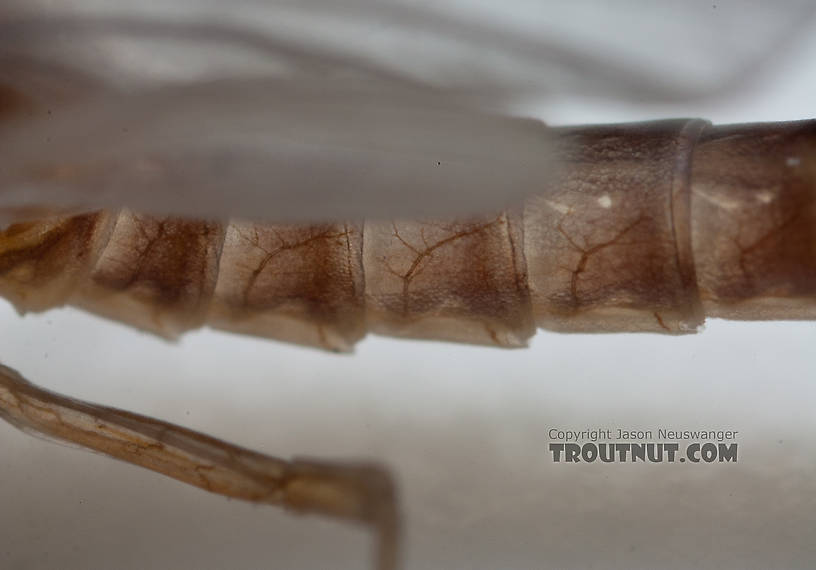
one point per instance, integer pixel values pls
(364, 493)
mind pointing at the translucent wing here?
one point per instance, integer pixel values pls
(316, 109)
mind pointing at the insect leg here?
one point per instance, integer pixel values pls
(360, 492)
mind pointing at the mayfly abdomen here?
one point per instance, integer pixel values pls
(155, 274)
(301, 284)
(461, 280)
(607, 244)
(42, 262)
(648, 227)
(753, 221)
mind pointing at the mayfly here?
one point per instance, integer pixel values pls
(644, 227)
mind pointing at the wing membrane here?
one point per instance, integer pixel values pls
(315, 109)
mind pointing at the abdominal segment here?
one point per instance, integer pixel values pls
(462, 280)
(301, 284)
(155, 274)
(607, 244)
(647, 227)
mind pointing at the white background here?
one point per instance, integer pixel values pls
(464, 429)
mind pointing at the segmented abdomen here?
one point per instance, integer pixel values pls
(648, 227)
